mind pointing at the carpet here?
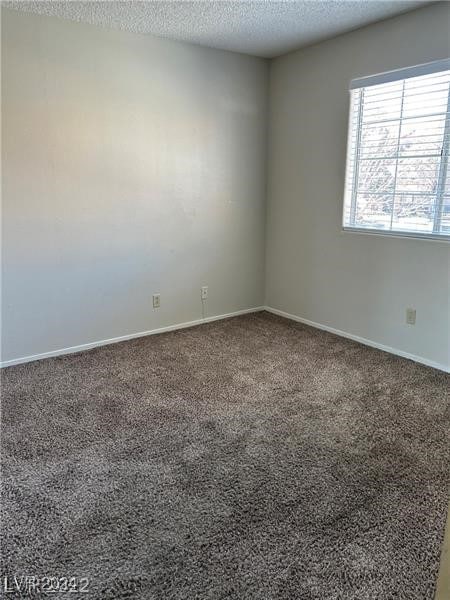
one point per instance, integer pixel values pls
(250, 458)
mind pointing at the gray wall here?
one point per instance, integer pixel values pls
(131, 165)
(359, 284)
(134, 165)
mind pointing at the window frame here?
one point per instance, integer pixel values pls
(353, 158)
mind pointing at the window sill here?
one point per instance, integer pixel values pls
(398, 234)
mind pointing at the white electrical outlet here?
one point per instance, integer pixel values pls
(204, 292)
(411, 316)
(156, 300)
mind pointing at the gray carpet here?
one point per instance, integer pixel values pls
(252, 458)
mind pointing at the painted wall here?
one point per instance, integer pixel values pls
(359, 284)
(131, 165)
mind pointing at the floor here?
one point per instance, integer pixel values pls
(250, 458)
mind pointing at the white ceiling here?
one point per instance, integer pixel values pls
(262, 28)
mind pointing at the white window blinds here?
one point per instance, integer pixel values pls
(398, 175)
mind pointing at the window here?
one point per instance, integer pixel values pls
(398, 175)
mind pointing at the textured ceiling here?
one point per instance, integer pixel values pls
(262, 28)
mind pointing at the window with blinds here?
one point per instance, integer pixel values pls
(398, 175)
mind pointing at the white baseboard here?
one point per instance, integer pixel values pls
(357, 338)
(123, 338)
(275, 311)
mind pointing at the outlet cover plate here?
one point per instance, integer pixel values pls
(411, 316)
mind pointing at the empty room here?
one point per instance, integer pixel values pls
(225, 300)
